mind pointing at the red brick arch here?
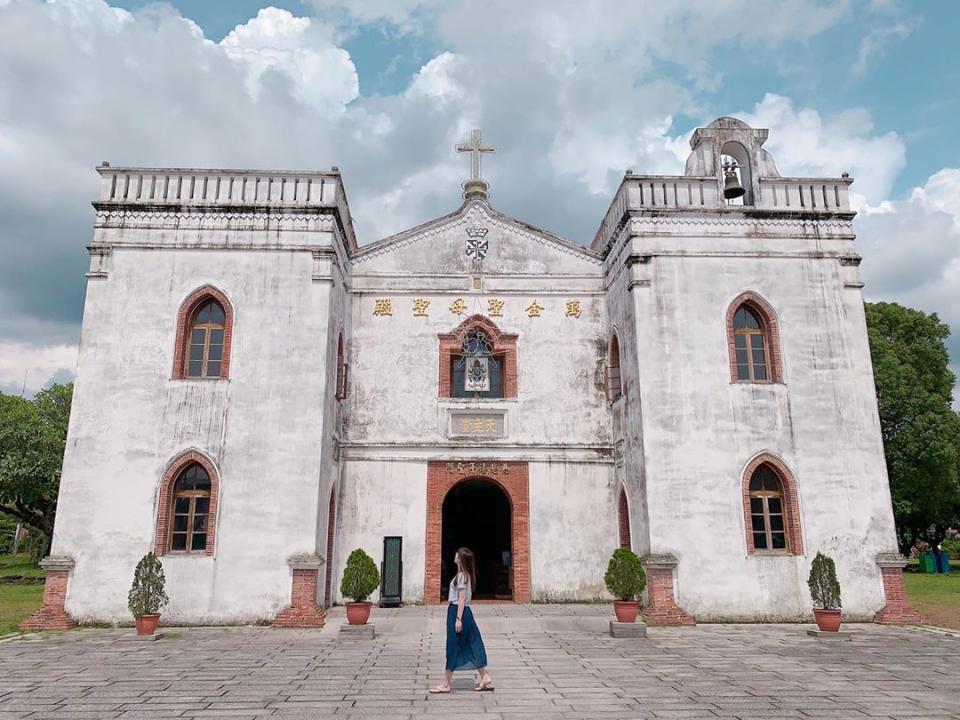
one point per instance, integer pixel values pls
(790, 501)
(161, 542)
(771, 328)
(187, 309)
(441, 478)
(503, 344)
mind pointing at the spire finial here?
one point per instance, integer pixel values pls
(476, 186)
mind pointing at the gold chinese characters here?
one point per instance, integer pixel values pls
(484, 468)
(383, 307)
(477, 426)
(420, 306)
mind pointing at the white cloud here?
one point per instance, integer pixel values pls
(806, 144)
(569, 91)
(875, 41)
(32, 366)
(911, 252)
(322, 75)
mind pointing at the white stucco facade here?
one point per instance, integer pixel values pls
(667, 262)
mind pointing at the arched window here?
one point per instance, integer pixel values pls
(767, 510)
(187, 506)
(754, 342)
(477, 370)
(750, 343)
(205, 359)
(623, 518)
(204, 336)
(191, 510)
(341, 369)
(614, 387)
(478, 361)
(771, 508)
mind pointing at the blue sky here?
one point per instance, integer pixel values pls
(572, 92)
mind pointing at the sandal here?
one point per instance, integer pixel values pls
(439, 690)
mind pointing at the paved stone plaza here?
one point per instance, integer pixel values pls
(548, 661)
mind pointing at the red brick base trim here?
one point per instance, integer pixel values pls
(897, 610)
(513, 479)
(52, 615)
(304, 612)
(661, 608)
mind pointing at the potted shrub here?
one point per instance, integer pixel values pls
(360, 579)
(147, 597)
(625, 580)
(825, 591)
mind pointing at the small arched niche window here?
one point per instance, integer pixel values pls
(768, 511)
(191, 511)
(623, 519)
(614, 386)
(477, 370)
(204, 336)
(341, 369)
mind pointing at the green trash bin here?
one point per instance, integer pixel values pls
(927, 563)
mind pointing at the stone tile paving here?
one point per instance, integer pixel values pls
(548, 661)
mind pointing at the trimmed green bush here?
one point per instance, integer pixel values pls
(625, 577)
(360, 576)
(147, 596)
(824, 586)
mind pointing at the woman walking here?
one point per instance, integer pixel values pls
(465, 649)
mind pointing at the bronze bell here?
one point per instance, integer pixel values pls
(731, 183)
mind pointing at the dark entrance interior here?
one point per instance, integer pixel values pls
(477, 515)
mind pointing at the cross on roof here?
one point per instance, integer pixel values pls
(475, 147)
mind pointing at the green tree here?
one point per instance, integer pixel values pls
(33, 435)
(921, 431)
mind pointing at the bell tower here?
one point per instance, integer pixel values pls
(732, 151)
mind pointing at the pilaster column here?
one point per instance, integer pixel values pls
(897, 610)
(304, 612)
(661, 607)
(52, 614)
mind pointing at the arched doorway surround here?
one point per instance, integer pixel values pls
(512, 480)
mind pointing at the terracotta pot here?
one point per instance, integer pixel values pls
(827, 620)
(358, 612)
(147, 624)
(626, 610)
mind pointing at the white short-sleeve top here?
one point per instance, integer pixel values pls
(460, 580)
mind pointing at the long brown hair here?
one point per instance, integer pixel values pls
(469, 566)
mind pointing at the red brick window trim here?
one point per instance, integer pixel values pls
(194, 302)
(165, 500)
(790, 506)
(614, 382)
(770, 329)
(623, 519)
(504, 346)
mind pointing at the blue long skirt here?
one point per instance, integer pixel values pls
(465, 649)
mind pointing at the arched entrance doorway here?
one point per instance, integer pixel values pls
(477, 514)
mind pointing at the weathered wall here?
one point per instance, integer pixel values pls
(261, 428)
(822, 421)
(568, 556)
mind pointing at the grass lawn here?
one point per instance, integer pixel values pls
(21, 565)
(936, 596)
(17, 603)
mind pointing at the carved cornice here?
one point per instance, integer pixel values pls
(742, 222)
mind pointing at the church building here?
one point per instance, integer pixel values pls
(258, 394)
